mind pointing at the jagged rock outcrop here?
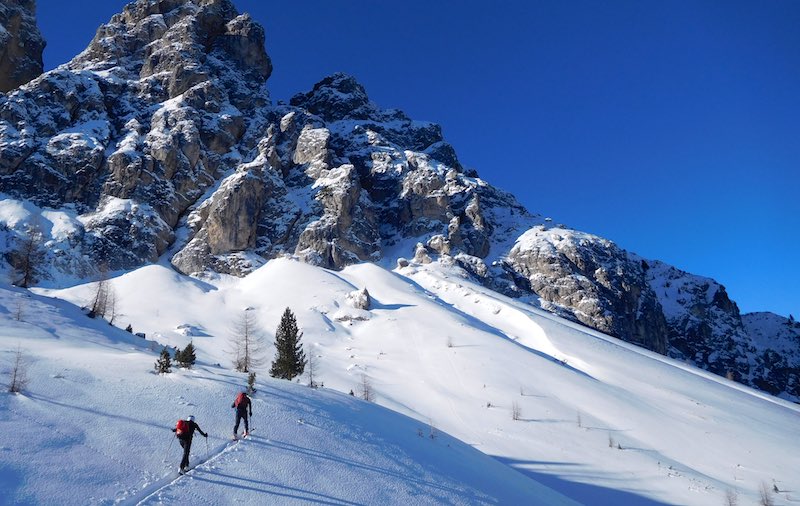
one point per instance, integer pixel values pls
(593, 281)
(152, 112)
(354, 179)
(21, 44)
(647, 302)
(774, 348)
(704, 325)
(161, 139)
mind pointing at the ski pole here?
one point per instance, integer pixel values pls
(207, 451)
(172, 440)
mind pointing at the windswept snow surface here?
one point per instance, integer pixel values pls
(93, 427)
(599, 421)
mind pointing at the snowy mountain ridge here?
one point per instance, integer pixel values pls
(161, 139)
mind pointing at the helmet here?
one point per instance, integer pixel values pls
(190, 418)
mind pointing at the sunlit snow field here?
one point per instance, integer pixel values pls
(598, 421)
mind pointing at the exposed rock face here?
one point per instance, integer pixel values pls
(21, 44)
(775, 349)
(354, 179)
(705, 326)
(593, 281)
(684, 316)
(153, 112)
(160, 138)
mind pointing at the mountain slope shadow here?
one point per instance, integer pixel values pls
(585, 493)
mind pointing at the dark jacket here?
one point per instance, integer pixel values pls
(244, 406)
(190, 433)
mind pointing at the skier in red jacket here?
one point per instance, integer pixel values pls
(184, 429)
(242, 404)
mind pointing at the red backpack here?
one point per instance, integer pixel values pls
(241, 399)
(181, 428)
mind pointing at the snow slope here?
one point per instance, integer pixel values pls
(93, 428)
(600, 421)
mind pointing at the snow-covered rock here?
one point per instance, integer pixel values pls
(21, 44)
(593, 281)
(359, 299)
(774, 353)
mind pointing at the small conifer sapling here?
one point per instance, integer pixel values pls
(164, 362)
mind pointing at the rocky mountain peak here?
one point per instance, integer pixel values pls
(21, 44)
(337, 97)
(172, 45)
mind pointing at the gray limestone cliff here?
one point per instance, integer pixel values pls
(21, 44)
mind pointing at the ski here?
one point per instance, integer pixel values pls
(245, 435)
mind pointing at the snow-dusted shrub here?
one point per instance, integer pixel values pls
(366, 389)
(731, 498)
(19, 373)
(312, 359)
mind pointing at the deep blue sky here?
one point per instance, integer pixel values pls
(672, 128)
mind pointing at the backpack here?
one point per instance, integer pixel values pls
(241, 400)
(181, 428)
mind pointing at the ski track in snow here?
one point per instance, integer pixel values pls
(212, 472)
(152, 490)
(681, 435)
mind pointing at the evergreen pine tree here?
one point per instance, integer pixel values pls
(179, 357)
(290, 360)
(164, 363)
(186, 357)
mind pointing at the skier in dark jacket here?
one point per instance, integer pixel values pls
(243, 405)
(185, 431)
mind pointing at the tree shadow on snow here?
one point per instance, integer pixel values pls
(12, 481)
(585, 493)
(94, 412)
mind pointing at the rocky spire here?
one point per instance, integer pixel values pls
(338, 96)
(172, 45)
(21, 44)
